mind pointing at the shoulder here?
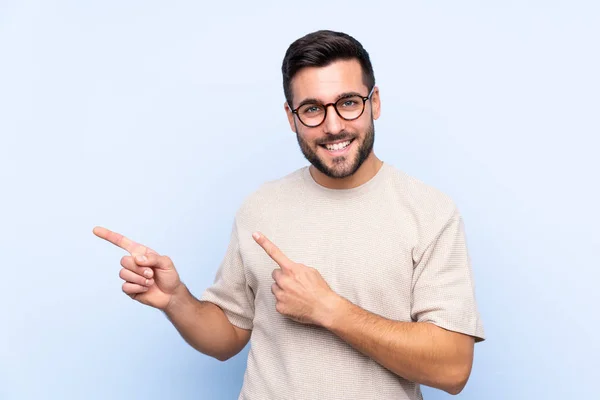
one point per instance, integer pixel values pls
(270, 194)
(429, 207)
(422, 195)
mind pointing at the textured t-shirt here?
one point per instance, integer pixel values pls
(394, 246)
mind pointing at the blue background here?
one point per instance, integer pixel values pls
(156, 119)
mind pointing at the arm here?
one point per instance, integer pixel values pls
(152, 279)
(417, 351)
(204, 326)
(422, 351)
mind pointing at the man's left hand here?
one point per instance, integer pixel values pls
(300, 291)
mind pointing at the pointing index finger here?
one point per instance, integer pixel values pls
(121, 241)
(272, 250)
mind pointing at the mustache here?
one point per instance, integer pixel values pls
(333, 138)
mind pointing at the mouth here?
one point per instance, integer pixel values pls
(337, 148)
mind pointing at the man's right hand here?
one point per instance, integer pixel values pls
(156, 283)
(149, 277)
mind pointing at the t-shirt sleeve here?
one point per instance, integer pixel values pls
(443, 287)
(230, 290)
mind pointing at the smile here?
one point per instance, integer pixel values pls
(337, 147)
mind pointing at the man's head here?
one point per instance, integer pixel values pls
(327, 67)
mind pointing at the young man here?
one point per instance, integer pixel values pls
(351, 279)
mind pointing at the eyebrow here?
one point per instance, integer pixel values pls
(312, 100)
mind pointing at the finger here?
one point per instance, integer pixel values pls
(121, 241)
(276, 275)
(132, 277)
(132, 288)
(275, 289)
(128, 262)
(272, 250)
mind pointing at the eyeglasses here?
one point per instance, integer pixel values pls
(348, 108)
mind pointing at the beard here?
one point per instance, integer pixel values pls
(343, 166)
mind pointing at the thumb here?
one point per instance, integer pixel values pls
(153, 261)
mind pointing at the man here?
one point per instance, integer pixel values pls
(351, 279)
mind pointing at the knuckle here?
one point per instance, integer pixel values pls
(125, 261)
(166, 260)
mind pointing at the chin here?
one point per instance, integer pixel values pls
(341, 169)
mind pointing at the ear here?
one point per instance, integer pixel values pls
(290, 116)
(376, 103)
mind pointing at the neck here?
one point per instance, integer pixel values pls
(365, 172)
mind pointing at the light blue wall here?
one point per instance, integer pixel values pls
(156, 119)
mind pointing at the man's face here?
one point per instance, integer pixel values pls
(327, 85)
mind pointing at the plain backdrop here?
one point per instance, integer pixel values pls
(156, 119)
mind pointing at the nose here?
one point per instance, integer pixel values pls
(333, 124)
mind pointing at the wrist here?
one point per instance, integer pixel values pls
(178, 297)
(333, 309)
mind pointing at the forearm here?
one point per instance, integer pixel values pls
(203, 325)
(418, 352)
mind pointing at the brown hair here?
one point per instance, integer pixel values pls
(319, 49)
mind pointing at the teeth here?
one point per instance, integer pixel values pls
(337, 146)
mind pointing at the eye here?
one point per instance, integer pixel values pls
(311, 109)
(352, 102)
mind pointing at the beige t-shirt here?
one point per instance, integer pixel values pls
(393, 246)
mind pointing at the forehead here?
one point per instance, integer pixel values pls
(325, 83)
